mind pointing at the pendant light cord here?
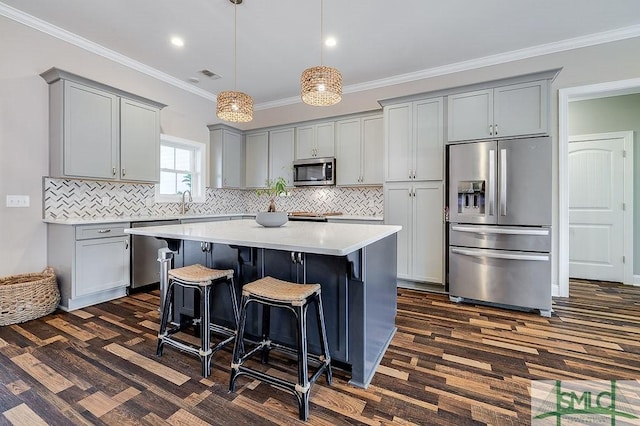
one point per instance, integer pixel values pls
(321, 27)
(235, 46)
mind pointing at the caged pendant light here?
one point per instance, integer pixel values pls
(321, 86)
(232, 105)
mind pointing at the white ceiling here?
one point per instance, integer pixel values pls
(380, 42)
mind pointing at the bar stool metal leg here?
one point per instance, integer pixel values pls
(238, 347)
(302, 387)
(322, 329)
(166, 309)
(205, 332)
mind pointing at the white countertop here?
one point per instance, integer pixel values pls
(121, 219)
(335, 239)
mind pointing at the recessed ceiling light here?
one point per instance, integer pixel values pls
(330, 41)
(177, 41)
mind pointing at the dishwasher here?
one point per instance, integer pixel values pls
(145, 269)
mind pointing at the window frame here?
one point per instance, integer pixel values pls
(201, 148)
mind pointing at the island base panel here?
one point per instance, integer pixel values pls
(372, 309)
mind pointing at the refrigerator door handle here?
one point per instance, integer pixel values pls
(483, 230)
(503, 182)
(492, 180)
(482, 254)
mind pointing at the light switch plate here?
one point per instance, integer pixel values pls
(18, 201)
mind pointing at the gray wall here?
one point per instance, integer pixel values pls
(613, 114)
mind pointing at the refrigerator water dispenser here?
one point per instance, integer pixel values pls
(471, 197)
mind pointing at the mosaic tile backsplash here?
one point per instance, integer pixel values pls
(67, 198)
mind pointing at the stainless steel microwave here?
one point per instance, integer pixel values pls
(314, 171)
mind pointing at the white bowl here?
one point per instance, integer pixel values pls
(271, 219)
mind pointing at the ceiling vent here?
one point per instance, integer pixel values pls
(209, 74)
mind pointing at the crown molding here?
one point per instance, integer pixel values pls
(90, 46)
(501, 58)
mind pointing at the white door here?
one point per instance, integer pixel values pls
(596, 206)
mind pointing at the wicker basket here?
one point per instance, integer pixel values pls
(28, 296)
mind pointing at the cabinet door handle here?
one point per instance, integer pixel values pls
(113, 170)
(495, 129)
(293, 257)
(104, 231)
(126, 244)
(414, 173)
(490, 129)
(124, 172)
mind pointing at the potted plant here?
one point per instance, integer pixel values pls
(274, 188)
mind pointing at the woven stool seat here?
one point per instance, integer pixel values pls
(200, 274)
(278, 290)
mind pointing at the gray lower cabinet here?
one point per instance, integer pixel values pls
(92, 262)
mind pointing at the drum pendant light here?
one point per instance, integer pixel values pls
(321, 86)
(232, 105)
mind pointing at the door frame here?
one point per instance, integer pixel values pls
(565, 96)
(627, 195)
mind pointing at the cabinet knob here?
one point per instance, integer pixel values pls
(124, 172)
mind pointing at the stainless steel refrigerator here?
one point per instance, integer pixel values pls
(500, 223)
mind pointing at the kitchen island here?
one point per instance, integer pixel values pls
(354, 263)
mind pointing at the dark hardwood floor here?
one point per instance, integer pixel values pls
(448, 364)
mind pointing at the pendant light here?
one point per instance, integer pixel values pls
(232, 105)
(321, 86)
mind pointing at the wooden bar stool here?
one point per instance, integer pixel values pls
(201, 279)
(271, 292)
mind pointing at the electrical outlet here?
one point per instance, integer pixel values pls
(18, 201)
(105, 201)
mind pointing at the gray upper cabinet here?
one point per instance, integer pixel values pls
(139, 141)
(281, 147)
(256, 159)
(227, 157)
(414, 140)
(99, 132)
(359, 151)
(506, 111)
(315, 140)
(87, 133)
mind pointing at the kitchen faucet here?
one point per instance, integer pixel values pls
(183, 208)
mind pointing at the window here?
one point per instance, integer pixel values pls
(182, 166)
